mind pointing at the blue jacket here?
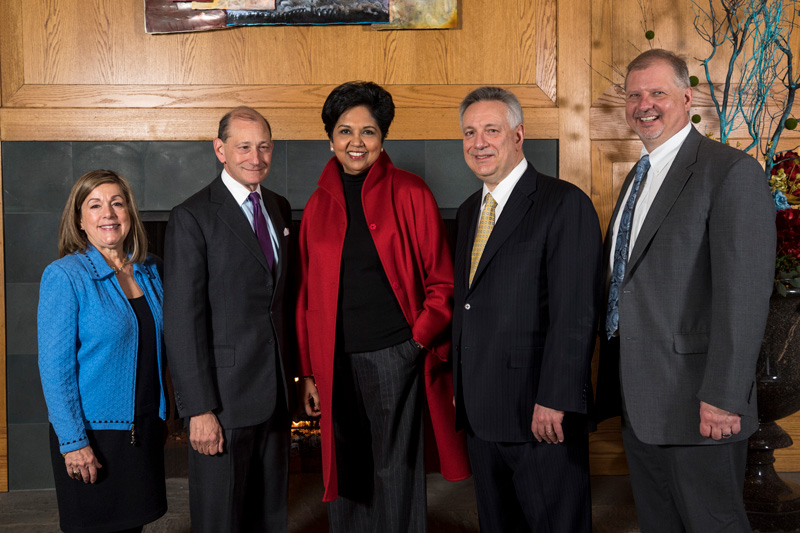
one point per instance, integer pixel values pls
(88, 342)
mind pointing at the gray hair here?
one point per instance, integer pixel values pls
(496, 94)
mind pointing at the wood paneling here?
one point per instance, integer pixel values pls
(98, 124)
(102, 42)
(573, 102)
(261, 96)
(94, 55)
(10, 48)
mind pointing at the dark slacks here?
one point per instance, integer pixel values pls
(687, 488)
(532, 486)
(246, 487)
(378, 427)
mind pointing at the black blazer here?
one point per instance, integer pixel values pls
(524, 332)
(226, 317)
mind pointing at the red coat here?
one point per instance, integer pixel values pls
(410, 238)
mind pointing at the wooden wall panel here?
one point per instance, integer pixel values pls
(102, 42)
(288, 123)
(94, 54)
(574, 77)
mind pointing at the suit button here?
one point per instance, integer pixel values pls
(372, 226)
(466, 306)
(395, 285)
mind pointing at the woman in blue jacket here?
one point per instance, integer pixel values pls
(100, 353)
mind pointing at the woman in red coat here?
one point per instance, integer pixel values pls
(373, 321)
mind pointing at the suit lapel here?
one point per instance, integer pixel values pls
(519, 202)
(231, 214)
(679, 173)
(467, 235)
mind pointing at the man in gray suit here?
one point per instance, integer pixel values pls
(690, 252)
(227, 323)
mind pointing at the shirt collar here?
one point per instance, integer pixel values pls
(240, 192)
(503, 189)
(662, 154)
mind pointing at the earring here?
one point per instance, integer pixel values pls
(331, 148)
(381, 149)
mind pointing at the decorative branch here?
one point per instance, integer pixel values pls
(759, 76)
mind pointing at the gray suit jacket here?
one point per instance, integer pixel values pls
(694, 301)
(227, 319)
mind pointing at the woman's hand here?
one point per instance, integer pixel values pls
(310, 397)
(82, 464)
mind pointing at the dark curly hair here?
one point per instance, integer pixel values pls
(356, 93)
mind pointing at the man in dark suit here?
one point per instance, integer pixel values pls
(226, 315)
(527, 292)
(690, 252)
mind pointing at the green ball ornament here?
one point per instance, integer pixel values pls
(649, 35)
(693, 81)
(791, 123)
(696, 119)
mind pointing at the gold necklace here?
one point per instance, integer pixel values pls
(125, 263)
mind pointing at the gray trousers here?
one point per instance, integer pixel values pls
(378, 426)
(687, 488)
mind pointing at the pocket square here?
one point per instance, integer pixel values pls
(285, 232)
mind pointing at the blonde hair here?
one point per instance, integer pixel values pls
(71, 238)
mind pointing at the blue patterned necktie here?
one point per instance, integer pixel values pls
(621, 247)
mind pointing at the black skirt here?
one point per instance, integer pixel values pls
(130, 490)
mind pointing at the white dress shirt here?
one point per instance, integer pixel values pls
(242, 196)
(503, 190)
(661, 160)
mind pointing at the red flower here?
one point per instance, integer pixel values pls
(789, 162)
(788, 225)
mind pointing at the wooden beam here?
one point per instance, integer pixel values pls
(574, 94)
(201, 124)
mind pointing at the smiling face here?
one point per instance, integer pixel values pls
(356, 140)
(247, 152)
(105, 218)
(492, 148)
(655, 106)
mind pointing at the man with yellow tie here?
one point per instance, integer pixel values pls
(527, 294)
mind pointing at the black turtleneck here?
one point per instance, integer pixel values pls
(369, 316)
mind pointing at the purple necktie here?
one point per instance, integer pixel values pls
(262, 232)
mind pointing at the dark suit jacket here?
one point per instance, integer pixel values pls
(225, 317)
(694, 301)
(525, 331)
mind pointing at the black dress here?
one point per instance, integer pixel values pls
(130, 490)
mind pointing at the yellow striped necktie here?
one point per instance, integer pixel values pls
(482, 235)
